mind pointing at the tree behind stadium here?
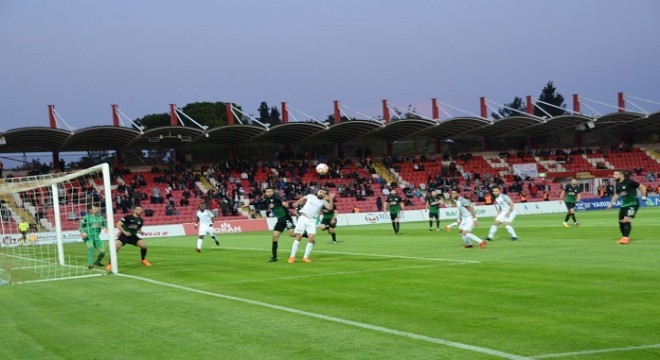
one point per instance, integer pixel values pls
(548, 94)
(211, 114)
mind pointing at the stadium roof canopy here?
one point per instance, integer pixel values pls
(99, 138)
(33, 139)
(45, 139)
(455, 128)
(290, 133)
(345, 131)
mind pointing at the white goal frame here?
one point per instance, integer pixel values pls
(22, 184)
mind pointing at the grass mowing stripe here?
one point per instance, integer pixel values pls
(372, 255)
(381, 329)
(28, 267)
(340, 273)
(401, 257)
(591, 352)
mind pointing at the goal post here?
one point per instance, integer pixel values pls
(40, 221)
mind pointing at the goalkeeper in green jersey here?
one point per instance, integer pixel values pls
(90, 230)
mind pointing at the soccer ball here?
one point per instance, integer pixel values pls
(32, 237)
(322, 168)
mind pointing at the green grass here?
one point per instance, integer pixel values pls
(372, 296)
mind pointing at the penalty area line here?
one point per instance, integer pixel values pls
(358, 324)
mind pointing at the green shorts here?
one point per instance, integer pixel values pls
(96, 243)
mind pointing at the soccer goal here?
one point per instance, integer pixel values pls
(40, 218)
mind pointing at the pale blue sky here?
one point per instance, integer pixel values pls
(84, 55)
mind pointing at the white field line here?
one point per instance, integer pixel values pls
(340, 273)
(381, 329)
(591, 352)
(371, 255)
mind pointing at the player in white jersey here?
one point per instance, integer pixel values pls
(505, 214)
(204, 224)
(312, 206)
(467, 219)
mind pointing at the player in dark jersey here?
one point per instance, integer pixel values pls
(433, 200)
(571, 192)
(626, 189)
(130, 226)
(394, 204)
(280, 209)
(329, 222)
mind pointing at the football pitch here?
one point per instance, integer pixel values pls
(556, 293)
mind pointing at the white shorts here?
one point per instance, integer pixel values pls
(305, 224)
(466, 224)
(206, 229)
(501, 217)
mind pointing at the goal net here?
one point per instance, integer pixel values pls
(40, 221)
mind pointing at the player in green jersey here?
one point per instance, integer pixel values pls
(90, 229)
(329, 222)
(571, 193)
(433, 200)
(280, 209)
(626, 189)
(394, 204)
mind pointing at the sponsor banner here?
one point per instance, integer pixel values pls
(71, 236)
(603, 203)
(231, 226)
(362, 218)
(526, 170)
(540, 207)
(151, 231)
(367, 218)
(43, 238)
